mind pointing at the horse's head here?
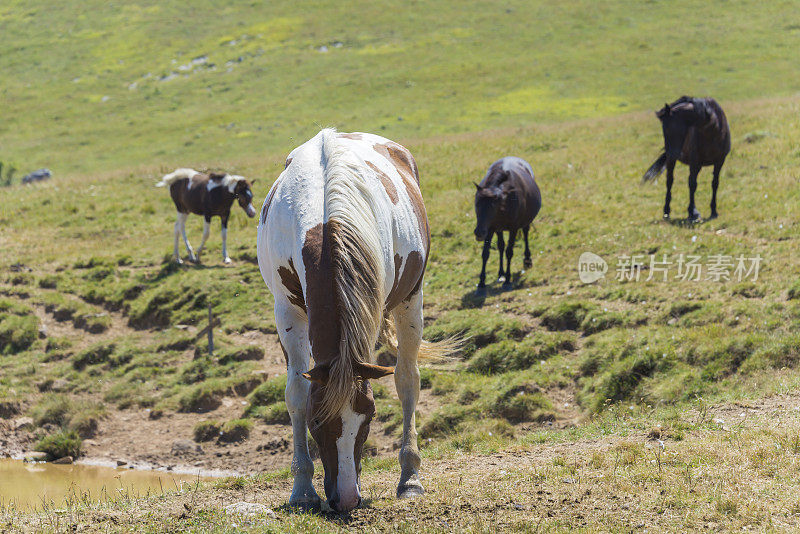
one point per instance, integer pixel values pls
(245, 196)
(340, 437)
(677, 118)
(489, 200)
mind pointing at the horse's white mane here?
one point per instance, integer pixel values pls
(230, 181)
(174, 176)
(356, 256)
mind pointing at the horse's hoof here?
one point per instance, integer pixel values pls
(226, 260)
(306, 502)
(527, 263)
(179, 261)
(712, 216)
(508, 285)
(666, 216)
(410, 491)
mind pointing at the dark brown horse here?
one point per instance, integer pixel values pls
(209, 195)
(507, 199)
(696, 133)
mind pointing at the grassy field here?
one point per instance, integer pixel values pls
(110, 97)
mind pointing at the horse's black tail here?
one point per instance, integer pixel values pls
(656, 168)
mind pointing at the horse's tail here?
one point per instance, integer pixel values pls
(358, 274)
(656, 168)
(178, 174)
(434, 351)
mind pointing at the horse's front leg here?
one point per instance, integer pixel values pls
(408, 320)
(224, 232)
(694, 170)
(670, 179)
(487, 249)
(512, 238)
(206, 231)
(527, 263)
(182, 220)
(501, 245)
(293, 332)
(714, 186)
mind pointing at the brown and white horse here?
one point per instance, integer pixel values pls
(343, 242)
(208, 195)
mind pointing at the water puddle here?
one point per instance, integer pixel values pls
(36, 485)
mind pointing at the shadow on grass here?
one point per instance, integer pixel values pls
(477, 297)
(685, 223)
(334, 517)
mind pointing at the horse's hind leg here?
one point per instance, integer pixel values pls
(206, 230)
(512, 238)
(527, 263)
(501, 245)
(182, 221)
(293, 332)
(487, 249)
(176, 253)
(714, 185)
(408, 321)
(694, 170)
(670, 179)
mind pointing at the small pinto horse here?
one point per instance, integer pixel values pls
(507, 199)
(208, 195)
(696, 133)
(343, 242)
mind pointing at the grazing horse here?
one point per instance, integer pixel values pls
(507, 199)
(208, 195)
(343, 242)
(696, 133)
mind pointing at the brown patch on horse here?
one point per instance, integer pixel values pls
(291, 281)
(409, 282)
(400, 157)
(322, 306)
(189, 194)
(353, 136)
(386, 181)
(288, 162)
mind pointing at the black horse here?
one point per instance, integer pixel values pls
(696, 133)
(507, 199)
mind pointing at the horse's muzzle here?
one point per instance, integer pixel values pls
(250, 210)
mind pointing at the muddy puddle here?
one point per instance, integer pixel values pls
(39, 485)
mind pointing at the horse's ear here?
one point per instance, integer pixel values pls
(252, 182)
(319, 374)
(478, 187)
(369, 371)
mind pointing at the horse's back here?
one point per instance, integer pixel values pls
(520, 174)
(294, 211)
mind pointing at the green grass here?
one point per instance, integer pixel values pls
(570, 87)
(60, 444)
